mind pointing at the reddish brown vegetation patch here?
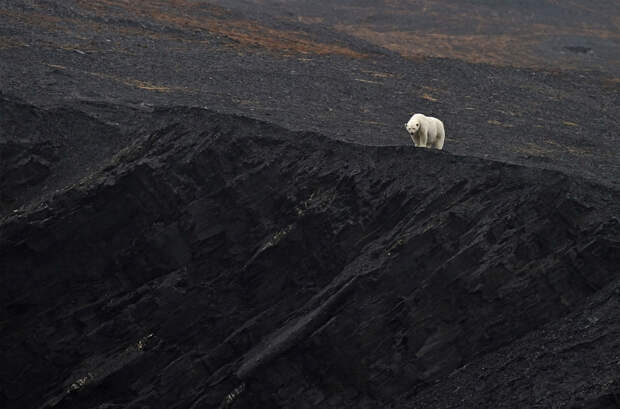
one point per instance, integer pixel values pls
(516, 49)
(187, 16)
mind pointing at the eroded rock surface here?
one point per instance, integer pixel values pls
(220, 261)
(42, 150)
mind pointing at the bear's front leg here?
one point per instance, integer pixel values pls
(415, 137)
(423, 138)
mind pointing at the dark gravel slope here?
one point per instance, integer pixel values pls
(224, 262)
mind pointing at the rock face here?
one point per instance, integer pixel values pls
(220, 261)
(43, 150)
(25, 154)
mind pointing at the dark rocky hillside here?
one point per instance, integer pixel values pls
(224, 262)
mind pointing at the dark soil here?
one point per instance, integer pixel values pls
(205, 207)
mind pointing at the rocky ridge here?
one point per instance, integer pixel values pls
(221, 261)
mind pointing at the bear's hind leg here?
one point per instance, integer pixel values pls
(441, 136)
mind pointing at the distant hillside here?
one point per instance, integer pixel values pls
(527, 33)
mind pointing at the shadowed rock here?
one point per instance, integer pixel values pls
(223, 261)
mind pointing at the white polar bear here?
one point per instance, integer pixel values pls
(426, 131)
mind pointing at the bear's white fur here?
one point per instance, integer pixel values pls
(426, 131)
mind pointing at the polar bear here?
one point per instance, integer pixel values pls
(426, 131)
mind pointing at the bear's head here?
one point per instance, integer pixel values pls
(413, 125)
